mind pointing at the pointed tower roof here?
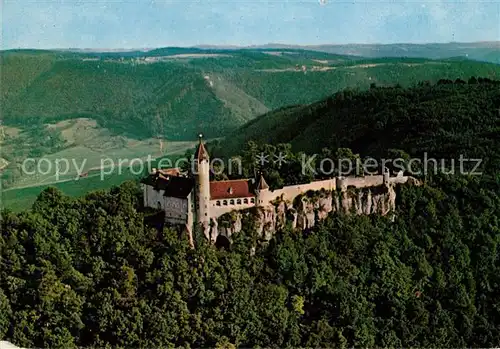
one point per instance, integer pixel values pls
(262, 183)
(201, 153)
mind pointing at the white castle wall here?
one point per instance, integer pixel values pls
(152, 197)
(176, 210)
(191, 214)
(216, 208)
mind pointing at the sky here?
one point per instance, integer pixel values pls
(115, 24)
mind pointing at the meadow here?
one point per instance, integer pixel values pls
(86, 153)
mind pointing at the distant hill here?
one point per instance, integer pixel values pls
(445, 120)
(488, 51)
(178, 92)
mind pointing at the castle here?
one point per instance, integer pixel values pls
(189, 199)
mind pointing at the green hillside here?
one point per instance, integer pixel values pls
(177, 93)
(443, 120)
(124, 97)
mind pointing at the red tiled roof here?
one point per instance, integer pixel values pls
(239, 188)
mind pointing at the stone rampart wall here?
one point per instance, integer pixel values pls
(289, 193)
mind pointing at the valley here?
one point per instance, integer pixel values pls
(90, 106)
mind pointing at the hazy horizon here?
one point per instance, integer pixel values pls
(270, 45)
(128, 25)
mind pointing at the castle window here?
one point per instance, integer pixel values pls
(245, 201)
(252, 200)
(218, 203)
(231, 202)
(230, 190)
(225, 202)
(238, 201)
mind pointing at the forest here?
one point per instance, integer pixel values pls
(96, 271)
(444, 119)
(89, 272)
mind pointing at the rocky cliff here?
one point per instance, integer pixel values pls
(307, 209)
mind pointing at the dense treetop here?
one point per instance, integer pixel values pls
(98, 271)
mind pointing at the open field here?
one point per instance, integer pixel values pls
(92, 158)
(21, 199)
(88, 151)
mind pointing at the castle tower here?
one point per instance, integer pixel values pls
(202, 175)
(261, 192)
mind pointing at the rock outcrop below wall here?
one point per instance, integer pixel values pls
(309, 208)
